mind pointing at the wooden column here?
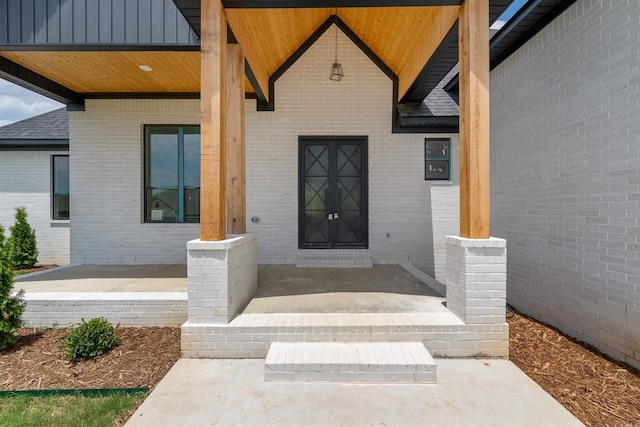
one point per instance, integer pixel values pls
(236, 183)
(474, 119)
(213, 42)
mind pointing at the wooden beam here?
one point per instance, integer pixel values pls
(433, 33)
(474, 119)
(249, 49)
(213, 41)
(236, 183)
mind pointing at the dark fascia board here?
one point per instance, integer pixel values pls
(16, 73)
(431, 125)
(141, 95)
(34, 145)
(409, 118)
(90, 47)
(259, 94)
(263, 105)
(527, 29)
(519, 30)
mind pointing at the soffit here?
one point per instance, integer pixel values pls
(115, 71)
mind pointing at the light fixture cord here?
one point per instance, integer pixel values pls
(336, 22)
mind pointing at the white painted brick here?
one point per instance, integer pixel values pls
(564, 172)
(25, 181)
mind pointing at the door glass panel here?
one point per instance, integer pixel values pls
(348, 160)
(316, 223)
(316, 160)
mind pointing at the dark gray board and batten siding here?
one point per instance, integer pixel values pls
(25, 23)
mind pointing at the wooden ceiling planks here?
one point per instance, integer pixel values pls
(425, 44)
(270, 36)
(403, 37)
(114, 72)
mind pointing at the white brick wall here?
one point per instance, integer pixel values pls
(476, 279)
(106, 146)
(123, 308)
(222, 277)
(25, 181)
(565, 169)
(408, 217)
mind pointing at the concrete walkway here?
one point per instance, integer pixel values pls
(226, 392)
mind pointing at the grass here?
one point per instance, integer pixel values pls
(68, 411)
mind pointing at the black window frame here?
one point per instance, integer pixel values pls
(54, 203)
(431, 160)
(145, 175)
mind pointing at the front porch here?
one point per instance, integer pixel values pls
(386, 303)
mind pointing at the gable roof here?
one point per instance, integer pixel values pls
(48, 131)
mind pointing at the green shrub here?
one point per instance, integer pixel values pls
(23, 242)
(11, 307)
(89, 340)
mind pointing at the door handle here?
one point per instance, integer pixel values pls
(330, 217)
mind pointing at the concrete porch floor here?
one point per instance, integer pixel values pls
(281, 288)
(107, 278)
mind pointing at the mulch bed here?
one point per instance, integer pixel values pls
(37, 267)
(596, 389)
(142, 359)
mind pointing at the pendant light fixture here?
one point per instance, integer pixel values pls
(336, 69)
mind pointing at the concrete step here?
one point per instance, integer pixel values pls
(367, 362)
(334, 258)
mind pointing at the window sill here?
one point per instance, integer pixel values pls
(171, 224)
(59, 223)
(439, 182)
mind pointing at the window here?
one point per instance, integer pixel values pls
(436, 159)
(60, 184)
(172, 174)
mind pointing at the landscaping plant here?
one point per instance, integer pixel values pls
(11, 307)
(23, 242)
(89, 340)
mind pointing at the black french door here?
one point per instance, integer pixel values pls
(333, 192)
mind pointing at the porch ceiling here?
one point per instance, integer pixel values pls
(115, 72)
(403, 37)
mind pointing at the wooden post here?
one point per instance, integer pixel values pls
(236, 183)
(474, 119)
(213, 42)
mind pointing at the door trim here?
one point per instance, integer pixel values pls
(364, 142)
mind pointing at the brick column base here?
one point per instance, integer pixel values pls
(221, 277)
(477, 279)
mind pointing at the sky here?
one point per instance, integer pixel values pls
(17, 103)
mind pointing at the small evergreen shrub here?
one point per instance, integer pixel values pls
(11, 307)
(89, 340)
(23, 242)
